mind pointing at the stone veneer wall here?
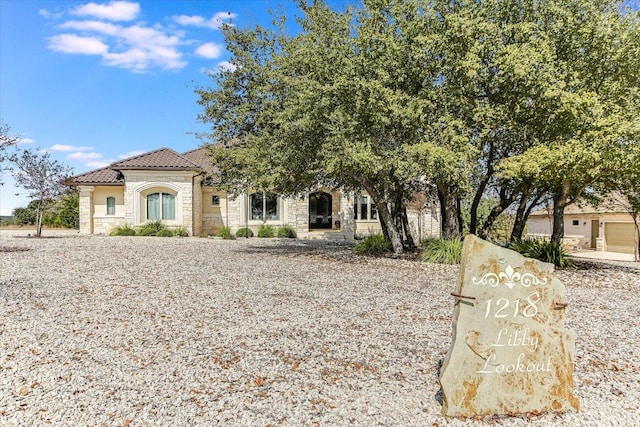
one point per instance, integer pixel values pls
(86, 209)
(181, 182)
(298, 215)
(197, 206)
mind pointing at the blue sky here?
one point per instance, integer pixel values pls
(92, 82)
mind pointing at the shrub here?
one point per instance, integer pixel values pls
(374, 244)
(165, 233)
(443, 251)
(244, 232)
(543, 250)
(150, 229)
(266, 230)
(225, 233)
(123, 230)
(287, 231)
(181, 231)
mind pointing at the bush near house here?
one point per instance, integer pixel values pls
(244, 232)
(543, 250)
(225, 233)
(181, 231)
(123, 230)
(150, 229)
(442, 251)
(287, 231)
(266, 230)
(165, 233)
(374, 244)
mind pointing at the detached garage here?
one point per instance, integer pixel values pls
(619, 237)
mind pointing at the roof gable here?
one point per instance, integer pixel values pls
(162, 158)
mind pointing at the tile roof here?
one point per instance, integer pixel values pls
(200, 157)
(162, 158)
(104, 176)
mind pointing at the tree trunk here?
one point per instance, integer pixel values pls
(392, 229)
(410, 243)
(559, 204)
(387, 221)
(39, 215)
(450, 215)
(520, 221)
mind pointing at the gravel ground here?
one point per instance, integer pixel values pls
(146, 331)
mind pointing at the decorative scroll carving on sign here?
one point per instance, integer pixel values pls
(510, 278)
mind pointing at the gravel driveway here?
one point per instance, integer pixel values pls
(149, 331)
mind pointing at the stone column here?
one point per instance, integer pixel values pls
(347, 223)
(86, 209)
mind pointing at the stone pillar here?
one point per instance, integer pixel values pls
(197, 206)
(86, 210)
(347, 223)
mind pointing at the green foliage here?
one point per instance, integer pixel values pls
(543, 250)
(165, 232)
(225, 233)
(244, 232)
(373, 244)
(287, 231)
(123, 230)
(181, 231)
(24, 216)
(67, 210)
(266, 230)
(443, 251)
(150, 229)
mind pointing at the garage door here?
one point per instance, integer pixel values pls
(619, 237)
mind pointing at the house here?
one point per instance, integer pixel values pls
(182, 190)
(607, 227)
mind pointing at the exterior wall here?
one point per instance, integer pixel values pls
(213, 217)
(140, 183)
(577, 236)
(103, 223)
(85, 201)
(196, 212)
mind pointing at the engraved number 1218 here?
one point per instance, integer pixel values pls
(503, 307)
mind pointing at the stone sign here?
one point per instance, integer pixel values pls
(510, 352)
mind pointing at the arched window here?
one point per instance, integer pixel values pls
(161, 206)
(264, 206)
(111, 205)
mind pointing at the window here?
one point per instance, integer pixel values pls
(161, 206)
(215, 200)
(575, 222)
(264, 206)
(111, 205)
(364, 208)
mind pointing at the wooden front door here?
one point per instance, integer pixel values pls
(320, 210)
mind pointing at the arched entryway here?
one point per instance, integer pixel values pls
(320, 210)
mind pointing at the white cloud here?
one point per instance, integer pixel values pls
(49, 15)
(113, 11)
(26, 141)
(71, 43)
(131, 154)
(96, 26)
(210, 50)
(65, 147)
(215, 22)
(132, 46)
(226, 66)
(79, 155)
(99, 164)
